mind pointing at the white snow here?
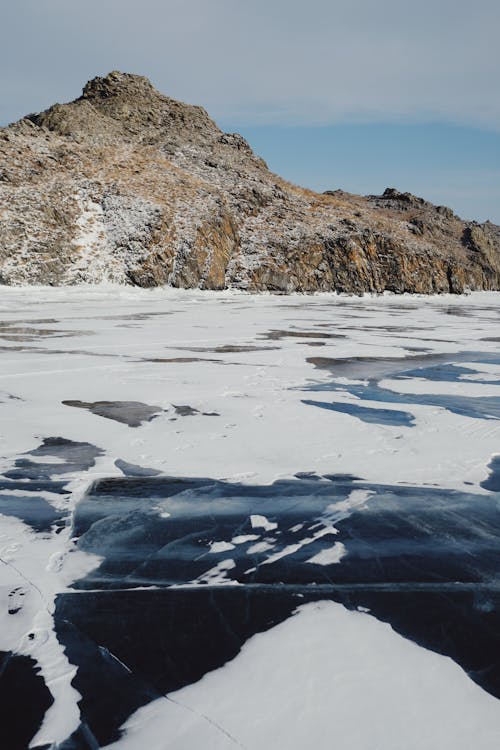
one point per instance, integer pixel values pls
(326, 526)
(265, 430)
(218, 547)
(327, 677)
(111, 237)
(260, 547)
(217, 576)
(42, 565)
(290, 549)
(243, 538)
(330, 555)
(261, 522)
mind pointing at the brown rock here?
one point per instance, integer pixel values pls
(127, 185)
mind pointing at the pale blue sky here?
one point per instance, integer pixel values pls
(447, 164)
(357, 94)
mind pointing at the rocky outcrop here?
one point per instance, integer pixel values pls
(127, 185)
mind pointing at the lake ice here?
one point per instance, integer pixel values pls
(232, 520)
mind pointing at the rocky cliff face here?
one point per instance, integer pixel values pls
(127, 185)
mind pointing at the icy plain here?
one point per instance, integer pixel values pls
(233, 520)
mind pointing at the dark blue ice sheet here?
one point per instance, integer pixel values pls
(422, 558)
(34, 511)
(478, 407)
(492, 483)
(24, 699)
(392, 417)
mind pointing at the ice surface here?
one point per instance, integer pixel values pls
(329, 556)
(218, 547)
(410, 397)
(261, 522)
(325, 676)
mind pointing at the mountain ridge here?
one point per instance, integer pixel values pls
(125, 184)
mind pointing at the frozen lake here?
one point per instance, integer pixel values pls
(249, 521)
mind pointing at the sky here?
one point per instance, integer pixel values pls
(357, 94)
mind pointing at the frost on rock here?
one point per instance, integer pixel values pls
(113, 238)
(129, 186)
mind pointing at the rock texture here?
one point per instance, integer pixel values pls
(129, 186)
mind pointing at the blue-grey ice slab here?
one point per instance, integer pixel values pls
(24, 699)
(158, 531)
(447, 373)
(32, 477)
(429, 367)
(131, 413)
(133, 470)
(375, 368)
(492, 483)
(276, 335)
(34, 511)
(39, 485)
(424, 559)
(478, 407)
(149, 618)
(392, 417)
(73, 456)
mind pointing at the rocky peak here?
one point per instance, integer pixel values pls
(119, 84)
(122, 107)
(125, 184)
(395, 199)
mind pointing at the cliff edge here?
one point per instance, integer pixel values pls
(127, 185)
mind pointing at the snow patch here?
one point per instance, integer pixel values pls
(261, 522)
(329, 556)
(353, 681)
(219, 547)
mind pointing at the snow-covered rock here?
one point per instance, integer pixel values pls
(127, 185)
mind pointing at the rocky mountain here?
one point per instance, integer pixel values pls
(127, 185)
